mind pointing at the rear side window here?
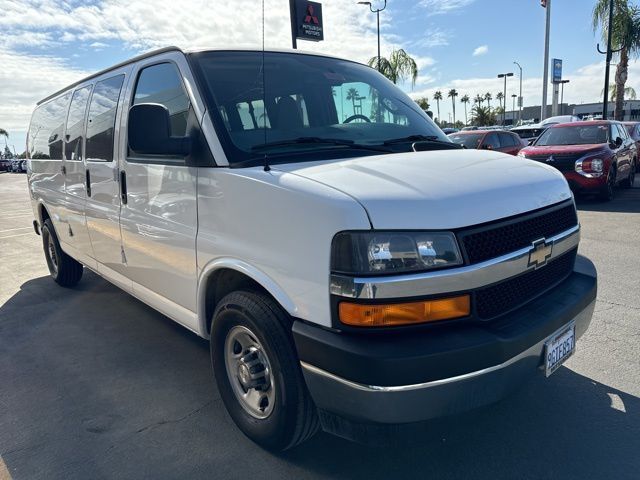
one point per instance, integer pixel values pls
(75, 123)
(492, 139)
(46, 129)
(162, 84)
(505, 140)
(102, 119)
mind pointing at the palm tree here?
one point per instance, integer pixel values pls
(423, 103)
(4, 133)
(482, 116)
(625, 37)
(353, 95)
(500, 97)
(488, 97)
(465, 100)
(398, 67)
(453, 93)
(437, 97)
(479, 99)
(629, 92)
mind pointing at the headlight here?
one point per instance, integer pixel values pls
(591, 167)
(522, 154)
(375, 253)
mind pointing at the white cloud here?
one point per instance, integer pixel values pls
(481, 50)
(440, 7)
(98, 45)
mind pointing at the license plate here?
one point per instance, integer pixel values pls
(558, 348)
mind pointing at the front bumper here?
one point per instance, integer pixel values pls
(580, 183)
(408, 377)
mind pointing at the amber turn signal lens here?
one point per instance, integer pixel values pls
(359, 315)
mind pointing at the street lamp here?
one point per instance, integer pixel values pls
(520, 99)
(562, 82)
(377, 12)
(513, 112)
(505, 75)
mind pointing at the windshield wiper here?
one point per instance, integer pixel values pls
(319, 141)
(422, 139)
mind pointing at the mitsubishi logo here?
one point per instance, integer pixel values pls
(551, 159)
(310, 17)
(540, 252)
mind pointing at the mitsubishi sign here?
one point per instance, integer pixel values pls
(309, 20)
(557, 70)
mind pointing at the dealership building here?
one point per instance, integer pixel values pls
(582, 110)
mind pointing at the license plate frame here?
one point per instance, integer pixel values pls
(558, 348)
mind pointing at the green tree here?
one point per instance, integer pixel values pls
(4, 133)
(500, 98)
(437, 97)
(399, 67)
(479, 99)
(625, 36)
(423, 103)
(482, 116)
(488, 97)
(453, 93)
(465, 100)
(629, 92)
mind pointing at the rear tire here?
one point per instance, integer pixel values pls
(66, 271)
(630, 180)
(251, 338)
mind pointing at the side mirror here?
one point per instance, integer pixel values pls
(619, 141)
(149, 131)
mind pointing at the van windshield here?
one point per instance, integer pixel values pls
(306, 104)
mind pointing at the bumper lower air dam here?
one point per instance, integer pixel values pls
(399, 379)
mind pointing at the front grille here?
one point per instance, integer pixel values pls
(564, 162)
(505, 296)
(497, 239)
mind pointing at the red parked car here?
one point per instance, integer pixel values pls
(594, 156)
(633, 129)
(501, 141)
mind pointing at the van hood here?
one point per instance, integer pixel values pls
(439, 189)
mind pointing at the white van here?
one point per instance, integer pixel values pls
(352, 267)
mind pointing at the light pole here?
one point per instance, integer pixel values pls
(562, 82)
(513, 112)
(520, 102)
(377, 12)
(545, 79)
(504, 110)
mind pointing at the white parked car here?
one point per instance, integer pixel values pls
(349, 264)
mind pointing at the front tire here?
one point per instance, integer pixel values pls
(257, 371)
(66, 271)
(608, 191)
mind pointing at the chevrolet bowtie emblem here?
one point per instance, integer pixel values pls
(540, 252)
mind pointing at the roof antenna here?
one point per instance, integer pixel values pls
(264, 98)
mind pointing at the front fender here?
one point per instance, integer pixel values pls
(250, 271)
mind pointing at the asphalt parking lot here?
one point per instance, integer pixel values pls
(95, 384)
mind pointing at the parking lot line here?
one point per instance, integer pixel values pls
(16, 235)
(14, 229)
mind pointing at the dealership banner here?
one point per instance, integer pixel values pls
(309, 20)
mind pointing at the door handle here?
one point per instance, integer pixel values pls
(88, 175)
(123, 186)
(63, 169)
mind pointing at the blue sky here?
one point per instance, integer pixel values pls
(47, 44)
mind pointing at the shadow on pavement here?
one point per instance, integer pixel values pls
(625, 201)
(95, 384)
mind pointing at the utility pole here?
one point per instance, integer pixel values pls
(292, 17)
(545, 79)
(562, 82)
(609, 53)
(504, 95)
(377, 12)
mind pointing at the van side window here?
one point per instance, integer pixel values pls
(102, 119)
(75, 123)
(162, 84)
(46, 129)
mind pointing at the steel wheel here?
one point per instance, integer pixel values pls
(249, 372)
(53, 256)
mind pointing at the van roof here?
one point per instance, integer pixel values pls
(177, 49)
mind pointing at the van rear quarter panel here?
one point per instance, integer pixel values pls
(279, 227)
(46, 183)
